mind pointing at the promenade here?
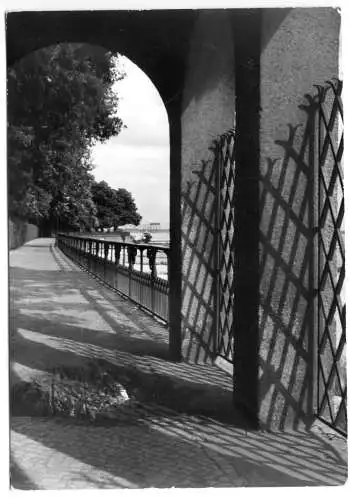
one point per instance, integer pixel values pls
(180, 430)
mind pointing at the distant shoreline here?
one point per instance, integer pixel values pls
(159, 237)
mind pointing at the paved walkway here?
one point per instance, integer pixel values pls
(59, 315)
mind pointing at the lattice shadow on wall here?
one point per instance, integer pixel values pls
(208, 255)
(296, 226)
(286, 253)
(198, 256)
(286, 238)
(287, 257)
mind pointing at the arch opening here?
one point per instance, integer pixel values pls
(89, 151)
(103, 143)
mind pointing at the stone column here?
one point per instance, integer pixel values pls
(208, 111)
(299, 49)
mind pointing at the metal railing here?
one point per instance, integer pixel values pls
(225, 167)
(137, 271)
(330, 296)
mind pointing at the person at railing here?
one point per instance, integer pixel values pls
(146, 238)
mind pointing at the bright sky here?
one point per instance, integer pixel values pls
(138, 158)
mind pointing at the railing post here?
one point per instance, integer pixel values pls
(82, 251)
(89, 254)
(141, 260)
(97, 250)
(167, 253)
(106, 249)
(117, 250)
(124, 255)
(141, 271)
(151, 255)
(132, 251)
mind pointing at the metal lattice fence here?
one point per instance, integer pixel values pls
(331, 341)
(225, 165)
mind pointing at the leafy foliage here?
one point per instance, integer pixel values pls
(115, 207)
(60, 102)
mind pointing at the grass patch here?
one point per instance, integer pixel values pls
(101, 391)
(90, 394)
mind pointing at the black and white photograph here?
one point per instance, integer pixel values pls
(175, 216)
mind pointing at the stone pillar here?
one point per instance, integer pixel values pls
(299, 48)
(174, 255)
(208, 110)
(247, 25)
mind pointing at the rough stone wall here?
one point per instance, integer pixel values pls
(299, 49)
(20, 232)
(207, 111)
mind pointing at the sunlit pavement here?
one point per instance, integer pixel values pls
(60, 315)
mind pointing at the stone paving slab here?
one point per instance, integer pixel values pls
(60, 315)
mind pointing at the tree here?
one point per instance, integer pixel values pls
(60, 102)
(115, 207)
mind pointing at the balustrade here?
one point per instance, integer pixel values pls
(138, 271)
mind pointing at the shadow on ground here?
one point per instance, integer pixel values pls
(181, 431)
(73, 320)
(19, 479)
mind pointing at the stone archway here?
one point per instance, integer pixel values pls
(160, 51)
(274, 57)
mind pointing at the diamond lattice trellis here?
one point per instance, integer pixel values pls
(331, 397)
(225, 163)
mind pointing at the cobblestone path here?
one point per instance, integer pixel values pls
(60, 315)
